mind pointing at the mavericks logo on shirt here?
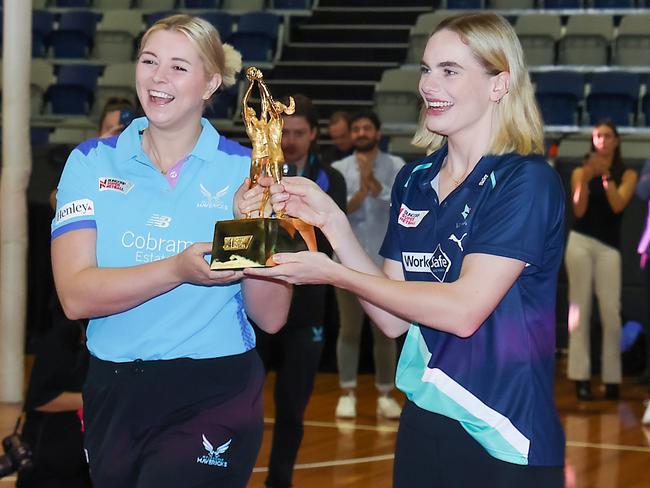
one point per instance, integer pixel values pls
(76, 208)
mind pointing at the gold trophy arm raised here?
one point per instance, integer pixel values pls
(251, 242)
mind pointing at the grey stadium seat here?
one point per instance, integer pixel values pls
(41, 76)
(586, 40)
(116, 34)
(421, 31)
(118, 80)
(538, 34)
(396, 96)
(632, 45)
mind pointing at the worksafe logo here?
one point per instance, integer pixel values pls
(440, 264)
(213, 457)
(437, 263)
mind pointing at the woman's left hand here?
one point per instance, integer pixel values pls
(248, 201)
(300, 268)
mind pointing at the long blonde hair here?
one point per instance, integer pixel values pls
(216, 56)
(495, 45)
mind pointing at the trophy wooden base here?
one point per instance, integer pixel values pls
(251, 243)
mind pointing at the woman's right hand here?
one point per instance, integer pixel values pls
(302, 198)
(191, 267)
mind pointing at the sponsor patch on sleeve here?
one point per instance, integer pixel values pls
(410, 218)
(76, 208)
(115, 184)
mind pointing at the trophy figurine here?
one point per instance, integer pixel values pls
(251, 242)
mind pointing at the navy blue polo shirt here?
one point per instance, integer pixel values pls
(498, 383)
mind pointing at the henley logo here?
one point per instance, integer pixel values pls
(210, 200)
(410, 218)
(161, 221)
(213, 458)
(458, 241)
(115, 184)
(76, 208)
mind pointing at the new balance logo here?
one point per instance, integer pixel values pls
(213, 458)
(458, 241)
(161, 221)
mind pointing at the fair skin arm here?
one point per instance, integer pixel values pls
(619, 196)
(458, 308)
(580, 190)
(86, 290)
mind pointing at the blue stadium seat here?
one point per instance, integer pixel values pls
(558, 94)
(75, 35)
(153, 17)
(42, 26)
(223, 22)
(465, 4)
(614, 3)
(291, 4)
(614, 96)
(224, 104)
(202, 3)
(562, 4)
(73, 92)
(256, 36)
(39, 136)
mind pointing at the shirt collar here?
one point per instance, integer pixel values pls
(129, 143)
(483, 171)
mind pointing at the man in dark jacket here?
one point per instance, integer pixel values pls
(295, 351)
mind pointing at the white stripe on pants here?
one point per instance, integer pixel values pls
(593, 267)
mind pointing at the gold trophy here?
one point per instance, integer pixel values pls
(251, 242)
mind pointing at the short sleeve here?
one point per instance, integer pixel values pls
(75, 198)
(523, 214)
(390, 248)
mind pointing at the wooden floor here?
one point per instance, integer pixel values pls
(607, 447)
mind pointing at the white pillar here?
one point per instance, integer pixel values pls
(16, 169)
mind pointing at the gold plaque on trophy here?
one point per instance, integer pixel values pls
(251, 242)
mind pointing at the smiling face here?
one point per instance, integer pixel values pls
(365, 136)
(171, 80)
(458, 92)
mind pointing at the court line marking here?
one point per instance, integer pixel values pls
(337, 462)
(389, 457)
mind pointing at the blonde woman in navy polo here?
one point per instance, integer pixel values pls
(173, 395)
(472, 251)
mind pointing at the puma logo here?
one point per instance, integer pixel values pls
(458, 241)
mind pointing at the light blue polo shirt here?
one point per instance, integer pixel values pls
(112, 186)
(498, 383)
